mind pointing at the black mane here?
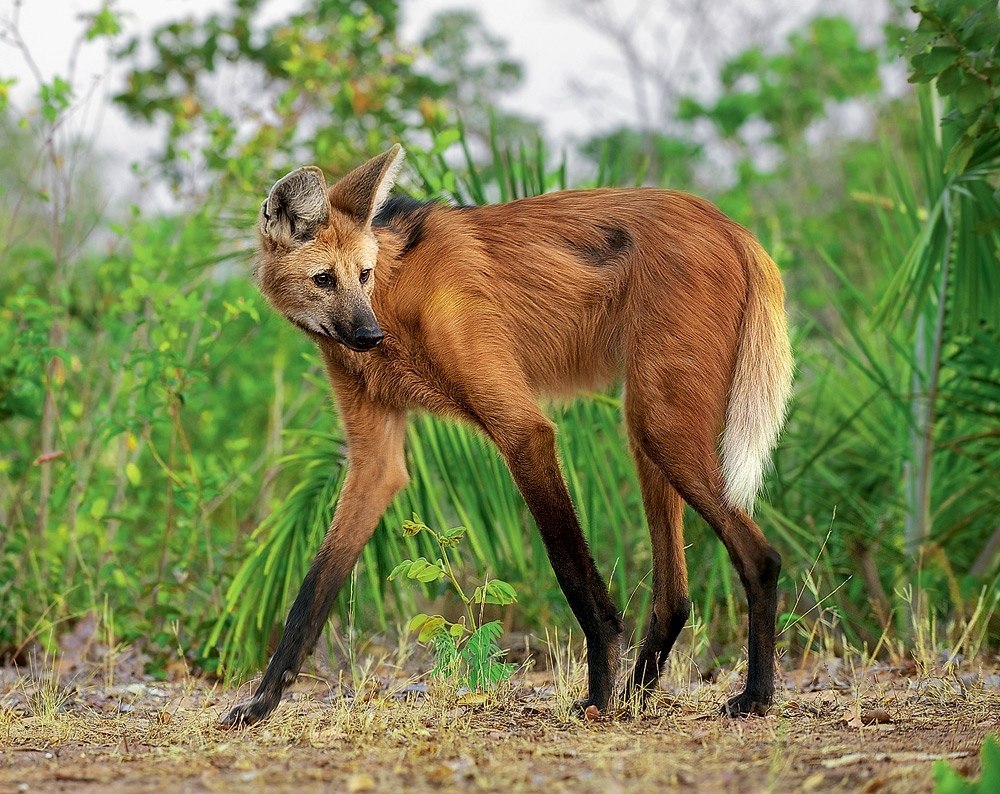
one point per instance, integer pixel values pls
(404, 215)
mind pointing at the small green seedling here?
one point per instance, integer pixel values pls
(466, 650)
(948, 781)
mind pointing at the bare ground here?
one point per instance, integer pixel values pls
(833, 728)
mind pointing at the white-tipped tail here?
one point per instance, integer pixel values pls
(762, 382)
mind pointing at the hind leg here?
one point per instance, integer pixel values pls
(676, 436)
(671, 607)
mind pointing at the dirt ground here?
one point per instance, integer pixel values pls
(834, 727)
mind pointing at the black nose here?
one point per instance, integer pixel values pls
(368, 336)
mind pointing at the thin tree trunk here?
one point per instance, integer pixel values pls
(920, 468)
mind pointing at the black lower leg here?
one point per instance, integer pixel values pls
(536, 472)
(601, 623)
(762, 599)
(661, 634)
(305, 622)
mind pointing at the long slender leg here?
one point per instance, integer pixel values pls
(527, 441)
(376, 472)
(759, 567)
(671, 607)
(675, 440)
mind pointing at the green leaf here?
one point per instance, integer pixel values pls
(426, 626)
(936, 60)
(400, 570)
(496, 591)
(947, 779)
(990, 778)
(104, 23)
(960, 154)
(5, 86)
(420, 569)
(444, 139)
(973, 95)
(446, 655)
(99, 508)
(431, 629)
(949, 80)
(413, 527)
(452, 537)
(55, 98)
(133, 473)
(417, 621)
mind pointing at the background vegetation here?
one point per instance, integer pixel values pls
(168, 456)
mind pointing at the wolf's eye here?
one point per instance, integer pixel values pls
(365, 275)
(323, 280)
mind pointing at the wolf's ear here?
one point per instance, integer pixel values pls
(364, 190)
(296, 207)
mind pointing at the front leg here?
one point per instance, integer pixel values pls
(376, 472)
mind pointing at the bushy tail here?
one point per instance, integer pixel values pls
(762, 381)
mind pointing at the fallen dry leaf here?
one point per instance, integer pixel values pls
(473, 699)
(875, 717)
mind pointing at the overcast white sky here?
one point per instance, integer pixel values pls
(556, 49)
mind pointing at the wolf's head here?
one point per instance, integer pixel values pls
(318, 251)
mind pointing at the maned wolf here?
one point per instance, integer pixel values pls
(473, 312)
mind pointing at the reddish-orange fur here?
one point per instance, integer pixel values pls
(485, 309)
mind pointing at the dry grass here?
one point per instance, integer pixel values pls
(834, 727)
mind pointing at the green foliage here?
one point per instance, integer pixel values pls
(55, 98)
(957, 44)
(193, 461)
(146, 455)
(24, 351)
(106, 22)
(670, 160)
(468, 652)
(955, 236)
(5, 85)
(325, 85)
(948, 781)
(790, 90)
(511, 173)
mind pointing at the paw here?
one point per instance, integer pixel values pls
(745, 704)
(246, 714)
